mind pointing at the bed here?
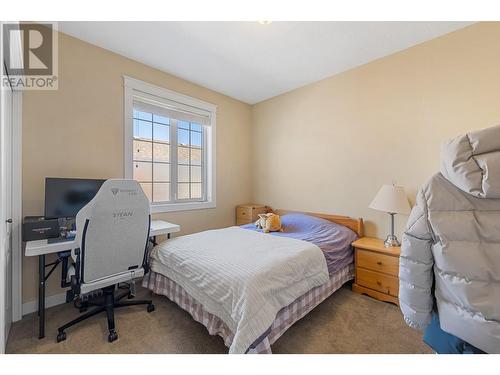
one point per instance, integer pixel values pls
(249, 287)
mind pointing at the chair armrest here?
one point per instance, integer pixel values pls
(75, 279)
(145, 262)
(64, 258)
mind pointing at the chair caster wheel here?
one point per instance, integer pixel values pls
(151, 307)
(112, 336)
(81, 306)
(61, 336)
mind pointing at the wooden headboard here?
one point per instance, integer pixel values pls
(356, 225)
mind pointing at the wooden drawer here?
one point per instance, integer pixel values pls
(377, 262)
(377, 281)
(249, 213)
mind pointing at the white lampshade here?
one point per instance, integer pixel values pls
(391, 199)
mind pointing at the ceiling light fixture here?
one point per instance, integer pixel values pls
(264, 22)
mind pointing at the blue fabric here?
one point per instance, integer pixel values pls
(444, 343)
(333, 239)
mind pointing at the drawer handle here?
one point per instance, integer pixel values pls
(242, 214)
(379, 283)
(379, 263)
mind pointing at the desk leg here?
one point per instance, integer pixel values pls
(41, 296)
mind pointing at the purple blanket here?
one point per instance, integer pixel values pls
(333, 239)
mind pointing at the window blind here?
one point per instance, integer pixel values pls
(171, 110)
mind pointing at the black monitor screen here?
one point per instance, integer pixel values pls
(64, 197)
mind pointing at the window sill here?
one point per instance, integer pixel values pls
(173, 207)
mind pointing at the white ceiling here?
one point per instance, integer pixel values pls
(250, 61)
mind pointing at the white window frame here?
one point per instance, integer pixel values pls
(134, 88)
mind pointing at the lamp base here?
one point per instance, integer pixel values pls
(391, 241)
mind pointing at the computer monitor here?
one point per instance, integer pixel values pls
(64, 197)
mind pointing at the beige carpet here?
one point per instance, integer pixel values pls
(344, 323)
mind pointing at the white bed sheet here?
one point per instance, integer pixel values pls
(242, 277)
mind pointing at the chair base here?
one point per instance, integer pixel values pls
(110, 302)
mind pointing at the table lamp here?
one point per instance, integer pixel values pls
(391, 199)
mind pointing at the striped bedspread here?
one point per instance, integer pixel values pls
(286, 317)
(245, 278)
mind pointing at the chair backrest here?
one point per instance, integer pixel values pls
(113, 230)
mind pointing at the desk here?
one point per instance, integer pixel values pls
(41, 248)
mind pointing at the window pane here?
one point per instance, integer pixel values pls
(195, 174)
(143, 115)
(161, 133)
(143, 171)
(183, 173)
(182, 191)
(195, 190)
(143, 129)
(143, 150)
(161, 152)
(161, 192)
(196, 156)
(161, 119)
(161, 172)
(196, 127)
(183, 137)
(183, 155)
(148, 190)
(151, 156)
(195, 139)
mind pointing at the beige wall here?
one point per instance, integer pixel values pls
(77, 131)
(329, 146)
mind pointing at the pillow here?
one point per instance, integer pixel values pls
(298, 222)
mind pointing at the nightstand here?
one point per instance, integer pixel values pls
(249, 213)
(377, 269)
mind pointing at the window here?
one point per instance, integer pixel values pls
(169, 147)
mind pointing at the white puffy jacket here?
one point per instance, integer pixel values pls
(450, 255)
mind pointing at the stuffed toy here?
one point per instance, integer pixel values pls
(269, 223)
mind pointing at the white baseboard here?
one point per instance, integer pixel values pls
(32, 306)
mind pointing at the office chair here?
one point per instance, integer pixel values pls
(112, 232)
